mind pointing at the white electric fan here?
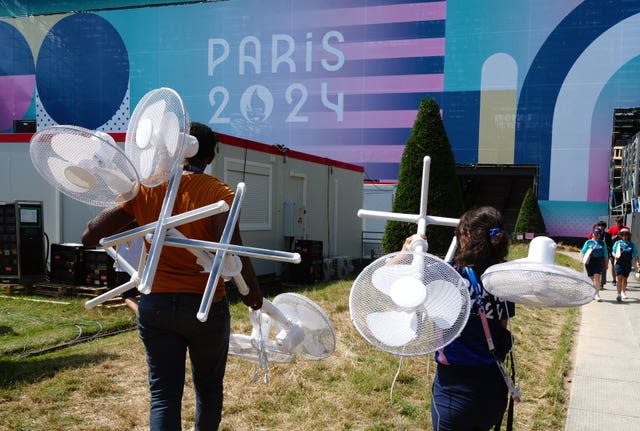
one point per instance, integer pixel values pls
(290, 325)
(537, 281)
(157, 143)
(85, 165)
(410, 303)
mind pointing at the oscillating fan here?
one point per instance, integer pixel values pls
(410, 303)
(157, 143)
(158, 140)
(85, 165)
(291, 324)
(537, 281)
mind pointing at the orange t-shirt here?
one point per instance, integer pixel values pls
(177, 270)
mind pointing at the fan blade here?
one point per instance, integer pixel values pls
(80, 177)
(117, 181)
(150, 123)
(408, 292)
(383, 277)
(443, 303)
(58, 168)
(73, 147)
(393, 328)
(170, 132)
(145, 168)
(302, 316)
(144, 131)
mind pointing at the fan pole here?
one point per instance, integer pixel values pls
(175, 220)
(159, 235)
(421, 219)
(234, 212)
(424, 195)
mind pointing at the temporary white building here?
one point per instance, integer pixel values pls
(291, 197)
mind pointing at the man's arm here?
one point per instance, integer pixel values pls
(108, 222)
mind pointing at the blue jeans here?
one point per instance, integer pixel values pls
(168, 328)
(467, 398)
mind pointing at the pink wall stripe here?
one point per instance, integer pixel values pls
(16, 93)
(379, 84)
(356, 153)
(401, 119)
(378, 14)
(394, 49)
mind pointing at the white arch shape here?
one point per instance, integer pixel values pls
(571, 129)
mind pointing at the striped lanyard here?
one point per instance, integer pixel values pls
(514, 390)
(477, 293)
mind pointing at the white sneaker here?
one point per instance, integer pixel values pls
(623, 295)
(597, 297)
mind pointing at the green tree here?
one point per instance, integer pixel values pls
(428, 138)
(530, 218)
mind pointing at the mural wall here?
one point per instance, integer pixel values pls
(527, 82)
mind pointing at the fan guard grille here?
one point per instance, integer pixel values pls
(419, 330)
(537, 284)
(319, 336)
(83, 166)
(155, 140)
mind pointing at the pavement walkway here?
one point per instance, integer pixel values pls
(605, 387)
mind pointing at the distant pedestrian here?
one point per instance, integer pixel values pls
(625, 252)
(595, 257)
(613, 232)
(609, 242)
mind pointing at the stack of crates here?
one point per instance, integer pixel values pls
(79, 266)
(22, 249)
(98, 268)
(67, 264)
(8, 244)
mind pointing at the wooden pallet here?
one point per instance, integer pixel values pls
(51, 289)
(89, 290)
(13, 288)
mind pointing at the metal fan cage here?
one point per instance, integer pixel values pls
(319, 336)
(431, 325)
(537, 284)
(83, 166)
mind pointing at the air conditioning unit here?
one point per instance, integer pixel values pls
(344, 267)
(328, 269)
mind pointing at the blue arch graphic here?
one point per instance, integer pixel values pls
(82, 73)
(534, 120)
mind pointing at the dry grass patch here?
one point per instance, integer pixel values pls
(102, 385)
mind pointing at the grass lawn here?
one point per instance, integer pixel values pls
(51, 381)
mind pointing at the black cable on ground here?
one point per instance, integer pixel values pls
(76, 341)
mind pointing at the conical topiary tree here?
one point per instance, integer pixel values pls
(530, 218)
(428, 138)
